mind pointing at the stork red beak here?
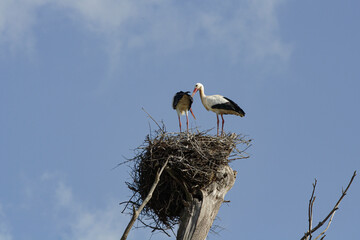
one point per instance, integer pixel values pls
(195, 90)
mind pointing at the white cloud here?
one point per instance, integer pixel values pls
(82, 222)
(63, 195)
(58, 207)
(16, 22)
(4, 229)
(243, 28)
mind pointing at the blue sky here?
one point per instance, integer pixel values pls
(74, 76)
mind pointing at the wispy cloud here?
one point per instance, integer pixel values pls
(4, 229)
(63, 213)
(82, 222)
(245, 28)
(17, 19)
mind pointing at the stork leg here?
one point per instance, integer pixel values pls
(217, 116)
(222, 128)
(187, 122)
(179, 122)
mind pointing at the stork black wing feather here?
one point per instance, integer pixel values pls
(231, 105)
(178, 96)
(190, 98)
(236, 107)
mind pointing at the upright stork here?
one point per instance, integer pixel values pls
(218, 104)
(182, 104)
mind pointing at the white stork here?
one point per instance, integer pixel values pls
(182, 104)
(218, 104)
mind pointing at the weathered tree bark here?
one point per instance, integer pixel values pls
(198, 217)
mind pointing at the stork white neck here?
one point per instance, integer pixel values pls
(202, 92)
(203, 96)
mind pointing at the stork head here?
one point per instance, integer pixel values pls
(198, 86)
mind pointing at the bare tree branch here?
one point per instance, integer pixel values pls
(147, 199)
(160, 128)
(155, 228)
(311, 204)
(330, 215)
(327, 227)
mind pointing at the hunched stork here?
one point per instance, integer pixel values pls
(182, 104)
(218, 104)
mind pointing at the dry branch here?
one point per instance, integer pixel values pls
(330, 215)
(147, 199)
(311, 204)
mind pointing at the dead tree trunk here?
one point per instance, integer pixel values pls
(201, 211)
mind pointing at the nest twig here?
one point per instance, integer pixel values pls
(193, 160)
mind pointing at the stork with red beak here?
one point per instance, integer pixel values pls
(218, 104)
(182, 104)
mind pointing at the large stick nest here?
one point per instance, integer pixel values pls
(193, 160)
